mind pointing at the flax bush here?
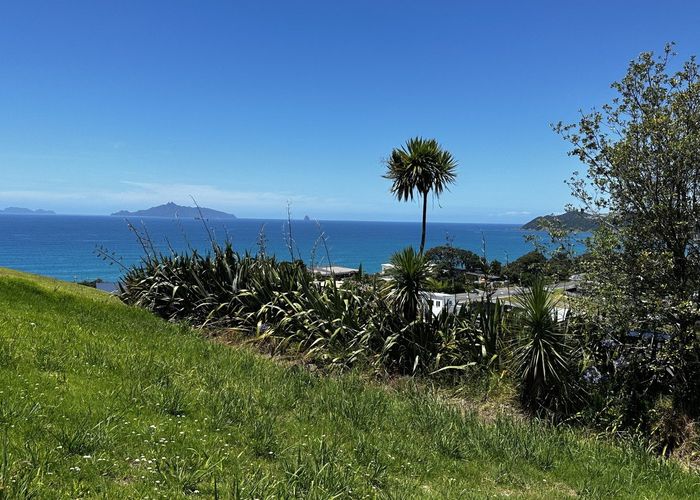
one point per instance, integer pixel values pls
(365, 321)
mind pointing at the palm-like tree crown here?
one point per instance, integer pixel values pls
(418, 167)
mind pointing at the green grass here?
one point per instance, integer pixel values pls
(98, 399)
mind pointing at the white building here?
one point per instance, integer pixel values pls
(438, 302)
(386, 268)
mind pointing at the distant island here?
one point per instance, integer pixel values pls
(25, 211)
(573, 221)
(171, 210)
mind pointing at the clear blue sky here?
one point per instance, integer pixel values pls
(245, 105)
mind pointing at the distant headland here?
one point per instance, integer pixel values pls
(171, 210)
(26, 211)
(572, 221)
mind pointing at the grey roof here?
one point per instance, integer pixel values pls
(330, 270)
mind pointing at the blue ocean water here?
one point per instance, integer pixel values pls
(64, 246)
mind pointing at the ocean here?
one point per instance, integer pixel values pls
(65, 246)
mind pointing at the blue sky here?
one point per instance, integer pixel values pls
(248, 105)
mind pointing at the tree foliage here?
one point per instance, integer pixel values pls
(408, 282)
(419, 167)
(527, 268)
(642, 153)
(448, 260)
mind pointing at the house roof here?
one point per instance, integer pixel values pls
(334, 270)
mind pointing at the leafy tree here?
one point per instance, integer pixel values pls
(471, 261)
(535, 264)
(449, 260)
(642, 153)
(419, 167)
(527, 268)
(561, 265)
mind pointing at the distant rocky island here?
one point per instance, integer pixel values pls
(572, 221)
(171, 210)
(25, 211)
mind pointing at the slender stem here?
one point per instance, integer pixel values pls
(425, 212)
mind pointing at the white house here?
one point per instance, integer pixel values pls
(438, 302)
(386, 268)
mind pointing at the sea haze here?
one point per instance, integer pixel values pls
(64, 247)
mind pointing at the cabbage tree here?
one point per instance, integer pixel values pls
(416, 169)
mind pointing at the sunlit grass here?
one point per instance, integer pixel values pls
(100, 399)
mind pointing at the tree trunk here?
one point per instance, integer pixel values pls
(425, 212)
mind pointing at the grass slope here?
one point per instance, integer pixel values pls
(101, 400)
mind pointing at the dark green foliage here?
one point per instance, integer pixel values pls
(491, 318)
(527, 268)
(559, 266)
(572, 220)
(642, 155)
(636, 381)
(409, 278)
(385, 325)
(434, 344)
(542, 354)
(449, 261)
(419, 167)
(450, 267)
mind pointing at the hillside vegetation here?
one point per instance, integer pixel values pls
(99, 399)
(570, 221)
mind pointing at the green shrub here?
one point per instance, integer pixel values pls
(384, 325)
(542, 354)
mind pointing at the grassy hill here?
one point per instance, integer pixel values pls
(102, 400)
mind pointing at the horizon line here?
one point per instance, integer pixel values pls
(311, 219)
